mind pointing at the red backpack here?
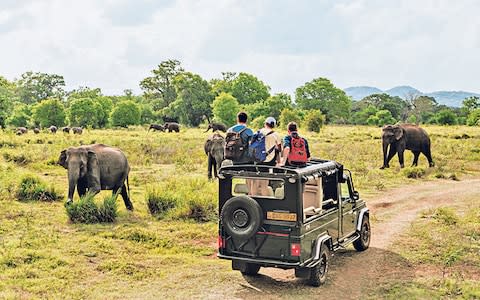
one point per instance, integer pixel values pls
(298, 151)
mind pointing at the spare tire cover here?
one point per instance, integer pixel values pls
(241, 217)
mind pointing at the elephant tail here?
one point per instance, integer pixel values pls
(128, 189)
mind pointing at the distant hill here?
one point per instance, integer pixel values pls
(448, 98)
(360, 92)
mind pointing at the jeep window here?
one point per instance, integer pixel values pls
(258, 187)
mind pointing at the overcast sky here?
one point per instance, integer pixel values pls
(431, 45)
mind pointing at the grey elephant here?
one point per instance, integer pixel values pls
(405, 136)
(214, 147)
(53, 129)
(21, 130)
(156, 127)
(77, 130)
(36, 130)
(216, 127)
(92, 168)
(172, 126)
(66, 129)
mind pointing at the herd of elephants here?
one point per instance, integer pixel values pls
(92, 168)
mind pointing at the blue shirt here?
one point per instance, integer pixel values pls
(246, 135)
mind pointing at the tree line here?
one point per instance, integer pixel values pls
(40, 99)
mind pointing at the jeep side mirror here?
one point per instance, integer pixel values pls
(355, 195)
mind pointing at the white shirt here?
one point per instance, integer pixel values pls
(270, 140)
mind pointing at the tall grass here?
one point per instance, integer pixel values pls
(86, 210)
(32, 188)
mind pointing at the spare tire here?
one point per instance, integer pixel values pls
(241, 217)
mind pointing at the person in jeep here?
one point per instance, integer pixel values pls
(295, 148)
(236, 141)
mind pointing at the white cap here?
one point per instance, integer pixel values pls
(271, 121)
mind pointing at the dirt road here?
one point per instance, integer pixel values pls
(353, 275)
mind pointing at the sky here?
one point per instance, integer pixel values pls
(114, 44)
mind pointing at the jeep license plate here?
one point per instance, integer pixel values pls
(281, 216)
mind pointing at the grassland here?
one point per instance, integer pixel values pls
(43, 255)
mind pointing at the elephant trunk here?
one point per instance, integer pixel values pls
(72, 183)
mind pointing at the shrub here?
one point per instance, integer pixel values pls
(200, 210)
(126, 113)
(473, 118)
(290, 115)
(87, 211)
(32, 188)
(414, 172)
(159, 203)
(446, 215)
(225, 108)
(314, 120)
(49, 112)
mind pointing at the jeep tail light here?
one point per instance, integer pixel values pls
(221, 242)
(295, 249)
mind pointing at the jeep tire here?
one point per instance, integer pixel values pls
(245, 268)
(241, 217)
(363, 240)
(318, 274)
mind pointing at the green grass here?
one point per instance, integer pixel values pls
(45, 255)
(87, 211)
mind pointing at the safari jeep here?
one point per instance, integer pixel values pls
(289, 217)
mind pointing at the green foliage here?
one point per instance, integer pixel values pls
(384, 117)
(474, 118)
(247, 88)
(104, 107)
(160, 85)
(84, 112)
(49, 112)
(423, 108)
(160, 202)
(7, 99)
(395, 105)
(361, 117)
(276, 103)
(126, 113)
(194, 98)
(147, 114)
(446, 215)
(32, 188)
(445, 117)
(20, 116)
(86, 210)
(223, 85)
(471, 103)
(414, 172)
(412, 119)
(225, 108)
(289, 115)
(84, 92)
(321, 94)
(314, 120)
(35, 87)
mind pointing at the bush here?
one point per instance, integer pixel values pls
(290, 115)
(446, 215)
(49, 112)
(314, 120)
(474, 118)
(126, 113)
(159, 203)
(414, 172)
(32, 188)
(87, 211)
(225, 108)
(200, 210)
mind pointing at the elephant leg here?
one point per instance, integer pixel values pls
(214, 163)
(81, 188)
(400, 158)
(126, 199)
(428, 154)
(209, 166)
(416, 154)
(391, 154)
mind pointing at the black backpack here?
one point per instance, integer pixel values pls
(235, 146)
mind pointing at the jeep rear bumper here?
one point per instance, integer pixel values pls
(263, 262)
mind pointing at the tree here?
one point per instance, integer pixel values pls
(247, 89)
(84, 112)
(160, 86)
(125, 113)
(384, 117)
(474, 118)
(395, 105)
(445, 117)
(84, 92)
(20, 116)
(35, 87)
(290, 115)
(223, 85)
(471, 103)
(225, 108)
(194, 98)
(276, 103)
(314, 120)
(104, 106)
(147, 115)
(49, 112)
(361, 117)
(321, 94)
(423, 108)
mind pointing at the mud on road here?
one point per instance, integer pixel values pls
(353, 275)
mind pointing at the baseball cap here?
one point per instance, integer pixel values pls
(271, 121)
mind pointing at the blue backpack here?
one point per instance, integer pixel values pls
(257, 148)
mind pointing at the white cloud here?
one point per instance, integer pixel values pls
(431, 45)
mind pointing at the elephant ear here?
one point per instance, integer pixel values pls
(62, 160)
(398, 133)
(93, 172)
(208, 145)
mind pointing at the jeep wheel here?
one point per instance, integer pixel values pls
(245, 268)
(241, 217)
(318, 274)
(363, 241)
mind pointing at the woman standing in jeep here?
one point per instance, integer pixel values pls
(295, 148)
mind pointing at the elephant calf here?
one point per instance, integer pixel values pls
(216, 126)
(156, 127)
(405, 136)
(172, 126)
(213, 147)
(77, 130)
(92, 168)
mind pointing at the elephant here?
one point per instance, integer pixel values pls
(53, 129)
(172, 126)
(214, 147)
(77, 130)
(21, 130)
(66, 129)
(216, 126)
(156, 127)
(405, 136)
(36, 130)
(96, 167)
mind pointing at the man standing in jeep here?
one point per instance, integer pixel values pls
(237, 139)
(295, 148)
